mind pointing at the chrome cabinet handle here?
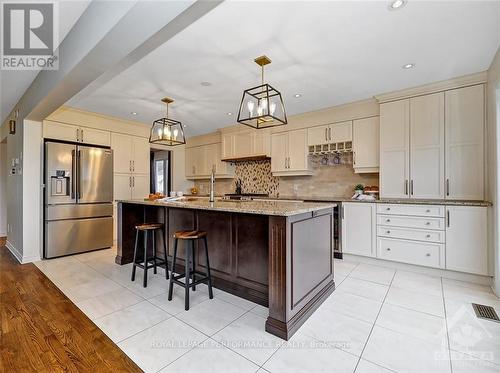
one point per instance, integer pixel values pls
(133, 181)
(77, 135)
(288, 162)
(130, 181)
(133, 166)
(406, 187)
(326, 134)
(353, 157)
(411, 187)
(447, 187)
(330, 133)
(448, 218)
(81, 135)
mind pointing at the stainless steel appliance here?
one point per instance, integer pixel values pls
(78, 199)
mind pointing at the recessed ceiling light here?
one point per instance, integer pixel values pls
(206, 84)
(133, 113)
(408, 66)
(229, 113)
(297, 95)
(397, 4)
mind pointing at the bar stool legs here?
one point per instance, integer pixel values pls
(149, 262)
(190, 271)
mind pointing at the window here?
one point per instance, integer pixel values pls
(160, 176)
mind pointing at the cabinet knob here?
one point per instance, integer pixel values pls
(388, 232)
(427, 210)
(428, 223)
(388, 249)
(427, 254)
(428, 236)
(388, 209)
(387, 220)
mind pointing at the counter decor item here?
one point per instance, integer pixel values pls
(154, 196)
(194, 191)
(358, 189)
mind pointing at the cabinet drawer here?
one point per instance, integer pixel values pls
(412, 252)
(411, 210)
(411, 222)
(411, 234)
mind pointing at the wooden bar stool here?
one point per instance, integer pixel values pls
(189, 238)
(145, 228)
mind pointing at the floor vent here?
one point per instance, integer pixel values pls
(485, 312)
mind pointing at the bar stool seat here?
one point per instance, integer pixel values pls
(190, 272)
(145, 265)
(189, 235)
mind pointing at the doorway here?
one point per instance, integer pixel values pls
(160, 172)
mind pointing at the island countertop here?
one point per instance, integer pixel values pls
(262, 207)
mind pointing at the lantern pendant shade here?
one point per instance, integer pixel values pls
(262, 106)
(166, 131)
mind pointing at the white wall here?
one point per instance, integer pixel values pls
(493, 146)
(3, 189)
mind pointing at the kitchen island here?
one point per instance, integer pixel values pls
(275, 253)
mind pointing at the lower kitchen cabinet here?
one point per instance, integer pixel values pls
(446, 237)
(466, 239)
(358, 228)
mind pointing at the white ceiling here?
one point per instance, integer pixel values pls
(13, 83)
(331, 52)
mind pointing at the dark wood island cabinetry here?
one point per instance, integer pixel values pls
(278, 254)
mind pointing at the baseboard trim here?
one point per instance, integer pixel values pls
(453, 275)
(14, 252)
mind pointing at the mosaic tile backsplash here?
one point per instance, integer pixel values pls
(333, 177)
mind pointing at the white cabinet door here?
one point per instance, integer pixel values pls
(197, 162)
(340, 132)
(122, 153)
(394, 149)
(318, 135)
(366, 144)
(59, 131)
(243, 144)
(122, 186)
(464, 147)
(279, 152)
(140, 186)
(427, 146)
(227, 144)
(95, 137)
(466, 239)
(297, 150)
(358, 228)
(190, 162)
(261, 142)
(141, 155)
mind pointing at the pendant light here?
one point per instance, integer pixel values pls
(166, 131)
(262, 106)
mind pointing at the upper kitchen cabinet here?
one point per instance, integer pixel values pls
(464, 146)
(68, 132)
(394, 149)
(289, 153)
(427, 146)
(131, 154)
(330, 134)
(246, 143)
(432, 146)
(366, 144)
(201, 159)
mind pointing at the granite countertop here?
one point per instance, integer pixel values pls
(272, 208)
(408, 201)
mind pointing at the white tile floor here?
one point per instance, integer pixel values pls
(377, 320)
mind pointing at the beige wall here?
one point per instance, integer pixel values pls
(3, 189)
(492, 160)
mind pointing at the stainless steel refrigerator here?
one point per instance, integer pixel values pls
(78, 199)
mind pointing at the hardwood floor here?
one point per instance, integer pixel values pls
(42, 330)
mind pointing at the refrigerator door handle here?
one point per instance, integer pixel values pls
(73, 166)
(79, 175)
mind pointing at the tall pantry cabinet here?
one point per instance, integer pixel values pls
(432, 146)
